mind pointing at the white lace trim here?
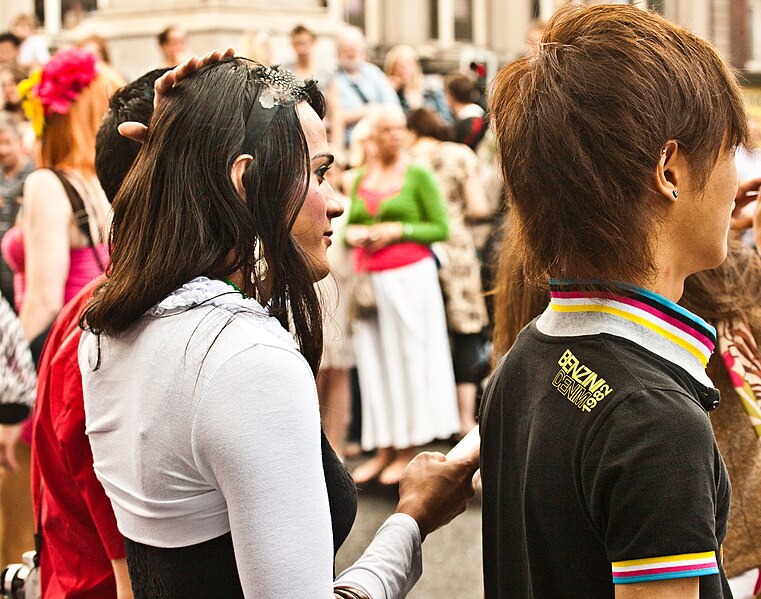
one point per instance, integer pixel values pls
(213, 292)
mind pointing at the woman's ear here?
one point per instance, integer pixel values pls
(671, 170)
(240, 164)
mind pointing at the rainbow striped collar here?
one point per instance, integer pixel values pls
(644, 317)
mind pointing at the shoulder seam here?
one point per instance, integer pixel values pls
(213, 375)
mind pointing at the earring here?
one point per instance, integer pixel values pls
(676, 194)
(260, 262)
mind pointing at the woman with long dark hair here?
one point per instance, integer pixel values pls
(601, 474)
(219, 233)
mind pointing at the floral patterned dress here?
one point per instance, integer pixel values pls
(460, 272)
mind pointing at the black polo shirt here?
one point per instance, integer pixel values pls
(598, 460)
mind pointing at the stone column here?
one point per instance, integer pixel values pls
(694, 14)
(739, 33)
(52, 17)
(335, 10)
(480, 23)
(754, 62)
(546, 9)
(720, 25)
(508, 23)
(373, 27)
(446, 23)
(406, 22)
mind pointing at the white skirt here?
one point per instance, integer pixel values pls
(404, 362)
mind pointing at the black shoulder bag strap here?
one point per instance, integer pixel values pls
(80, 215)
(359, 92)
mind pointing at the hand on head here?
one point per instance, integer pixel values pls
(434, 490)
(137, 131)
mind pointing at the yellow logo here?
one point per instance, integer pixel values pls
(583, 387)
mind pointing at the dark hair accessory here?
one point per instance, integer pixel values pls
(277, 87)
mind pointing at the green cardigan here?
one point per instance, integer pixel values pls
(418, 206)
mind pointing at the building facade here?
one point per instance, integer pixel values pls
(446, 32)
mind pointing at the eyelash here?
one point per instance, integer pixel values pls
(321, 172)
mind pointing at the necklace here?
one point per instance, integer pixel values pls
(234, 286)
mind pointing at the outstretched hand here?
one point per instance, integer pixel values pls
(137, 131)
(434, 490)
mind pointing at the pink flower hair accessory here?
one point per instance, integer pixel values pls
(63, 78)
(52, 88)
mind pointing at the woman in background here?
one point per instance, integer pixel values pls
(59, 244)
(403, 360)
(402, 67)
(455, 167)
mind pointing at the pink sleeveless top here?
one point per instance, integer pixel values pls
(83, 267)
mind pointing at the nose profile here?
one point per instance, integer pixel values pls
(335, 206)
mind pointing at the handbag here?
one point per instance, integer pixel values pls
(362, 302)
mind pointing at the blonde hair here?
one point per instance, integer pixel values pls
(69, 139)
(24, 19)
(397, 52)
(358, 140)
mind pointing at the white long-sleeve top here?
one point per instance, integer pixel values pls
(203, 419)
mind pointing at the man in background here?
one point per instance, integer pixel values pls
(9, 49)
(14, 168)
(173, 45)
(360, 85)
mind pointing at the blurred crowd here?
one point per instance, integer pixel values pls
(394, 376)
(408, 310)
(379, 120)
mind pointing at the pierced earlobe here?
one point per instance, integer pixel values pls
(676, 194)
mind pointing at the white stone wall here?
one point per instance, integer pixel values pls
(10, 8)
(499, 25)
(219, 24)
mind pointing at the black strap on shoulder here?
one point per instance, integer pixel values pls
(359, 92)
(80, 214)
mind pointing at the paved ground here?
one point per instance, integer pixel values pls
(451, 555)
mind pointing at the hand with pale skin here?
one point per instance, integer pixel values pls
(374, 237)
(434, 490)
(137, 131)
(382, 235)
(9, 436)
(747, 192)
